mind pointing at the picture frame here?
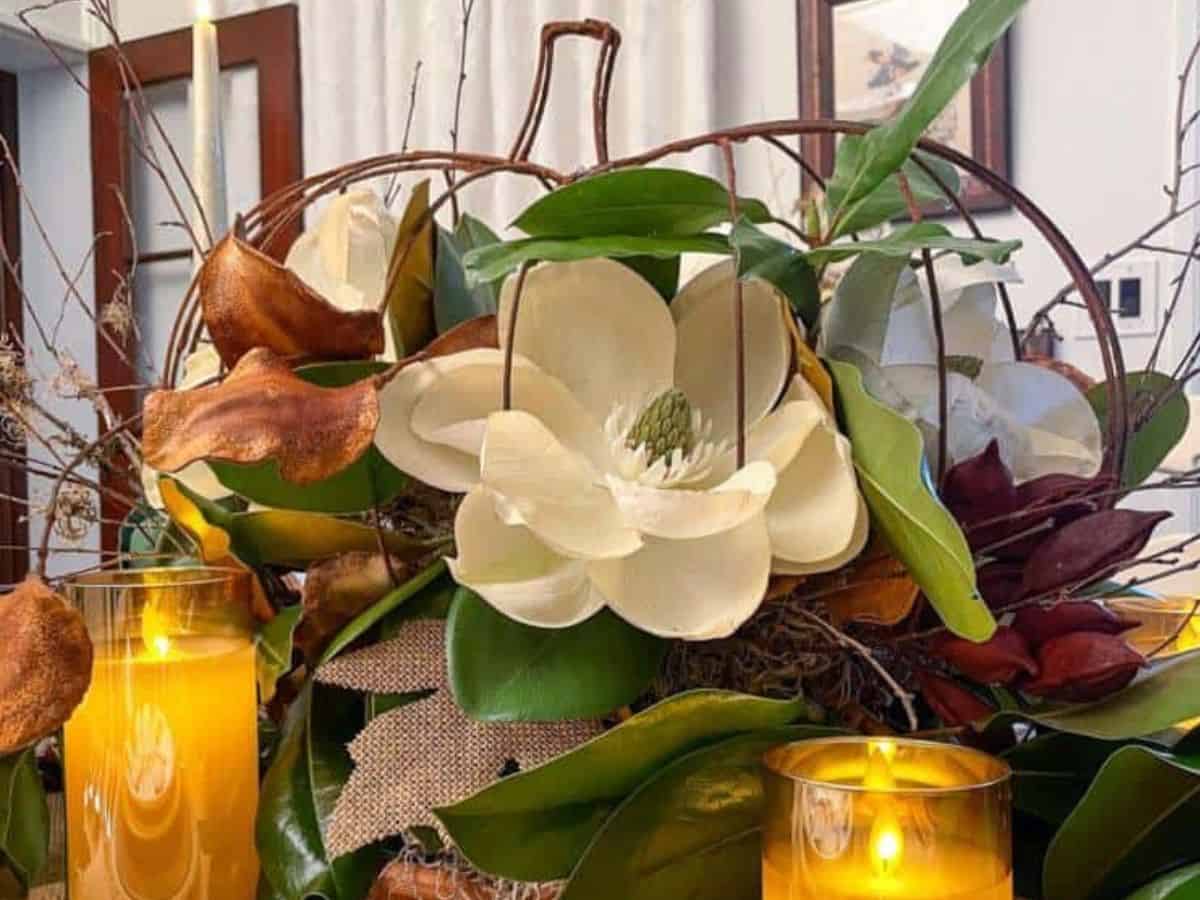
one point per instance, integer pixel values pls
(888, 57)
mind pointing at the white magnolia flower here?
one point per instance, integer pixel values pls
(346, 257)
(201, 367)
(613, 480)
(1042, 422)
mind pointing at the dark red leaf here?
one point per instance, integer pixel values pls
(1039, 624)
(977, 490)
(952, 703)
(1084, 666)
(1000, 583)
(997, 661)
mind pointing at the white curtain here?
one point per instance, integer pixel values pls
(685, 67)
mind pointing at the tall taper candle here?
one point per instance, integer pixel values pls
(208, 156)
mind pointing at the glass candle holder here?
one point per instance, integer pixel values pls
(1170, 621)
(161, 757)
(878, 819)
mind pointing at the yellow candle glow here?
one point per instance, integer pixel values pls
(871, 819)
(161, 757)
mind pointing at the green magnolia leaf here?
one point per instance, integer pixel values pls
(1159, 434)
(1157, 700)
(692, 830)
(1182, 884)
(635, 202)
(1137, 818)
(503, 671)
(780, 264)
(274, 658)
(375, 614)
(963, 50)
(910, 239)
(496, 261)
(889, 454)
(1052, 772)
(369, 481)
(663, 274)
(297, 798)
(887, 201)
(535, 825)
(454, 301)
(24, 817)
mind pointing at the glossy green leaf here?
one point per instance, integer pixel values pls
(471, 232)
(1157, 700)
(454, 301)
(910, 239)
(887, 201)
(889, 455)
(635, 202)
(24, 817)
(498, 260)
(371, 480)
(1138, 817)
(1159, 434)
(962, 51)
(1182, 884)
(692, 830)
(503, 671)
(375, 614)
(663, 274)
(274, 659)
(535, 825)
(1052, 772)
(297, 798)
(780, 264)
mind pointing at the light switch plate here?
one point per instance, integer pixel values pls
(1132, 290)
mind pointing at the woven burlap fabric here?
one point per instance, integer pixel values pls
(429, 753)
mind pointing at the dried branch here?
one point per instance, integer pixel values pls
(468, 6)
(393, 188)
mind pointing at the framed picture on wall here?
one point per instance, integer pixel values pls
(862, 59)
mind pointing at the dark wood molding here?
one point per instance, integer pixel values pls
(14, 531)
(268, 40)
(990, 131)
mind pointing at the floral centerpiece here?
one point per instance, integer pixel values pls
(579, 541)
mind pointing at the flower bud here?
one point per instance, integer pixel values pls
(951, 702)
(999, 660)
(1039, 624)
(977, 490)
(1000, 583)
(1084, 666)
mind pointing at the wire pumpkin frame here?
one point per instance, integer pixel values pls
(262, 225)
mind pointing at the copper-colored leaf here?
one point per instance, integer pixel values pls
(875, 589)
(403, 880)
(1039, 624)
(45, 666)
(411, 274)
(1000, 660)
(1084, 666)
(249, 301)
(336, 590)
(474, 334)
(952, 703)
(263, 411)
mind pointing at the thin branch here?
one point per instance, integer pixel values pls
(393, 188)
(468, 6)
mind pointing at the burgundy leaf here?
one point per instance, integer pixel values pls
(980, 489)
(1000, 583)
(1084, 666)
(1088, 549)
(1039, 624)
(952, 703)
(997, 661)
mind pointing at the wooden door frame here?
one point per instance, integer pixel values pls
(269, 40)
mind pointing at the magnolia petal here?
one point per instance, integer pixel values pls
(515, 572)
(453, 411)
(706, 365)
(695, 590)
(813, 514)
(777, 438)
(436, 464)
(971, 329)
(858, 541)
(686, 514)
(553, 491)
(598, 327)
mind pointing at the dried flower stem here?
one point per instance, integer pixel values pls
(739, 311)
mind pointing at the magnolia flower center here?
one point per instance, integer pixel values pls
(970, 366)
(663, 427)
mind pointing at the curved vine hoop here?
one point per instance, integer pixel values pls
(261, 225)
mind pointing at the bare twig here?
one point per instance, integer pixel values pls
(393, 188)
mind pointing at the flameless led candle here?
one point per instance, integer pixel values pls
(208, 156)
(1170, 621)
(885, 819)
(161, 757)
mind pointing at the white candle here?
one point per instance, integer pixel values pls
(208, 158)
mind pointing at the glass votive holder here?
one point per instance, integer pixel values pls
(161, 757)
(862, 818)
(1169, 625)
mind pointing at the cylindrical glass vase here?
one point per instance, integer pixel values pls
(161, 757)
(883, 819)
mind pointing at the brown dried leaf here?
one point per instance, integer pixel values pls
(46, 664)
(1000, 660)
(336, 590)
(403, 880)
(875, 589)
(249, 301)
(951, 702)
(474, 334)
(1039, 624)
(410, 290)
(1083, 666)
(262, 411)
